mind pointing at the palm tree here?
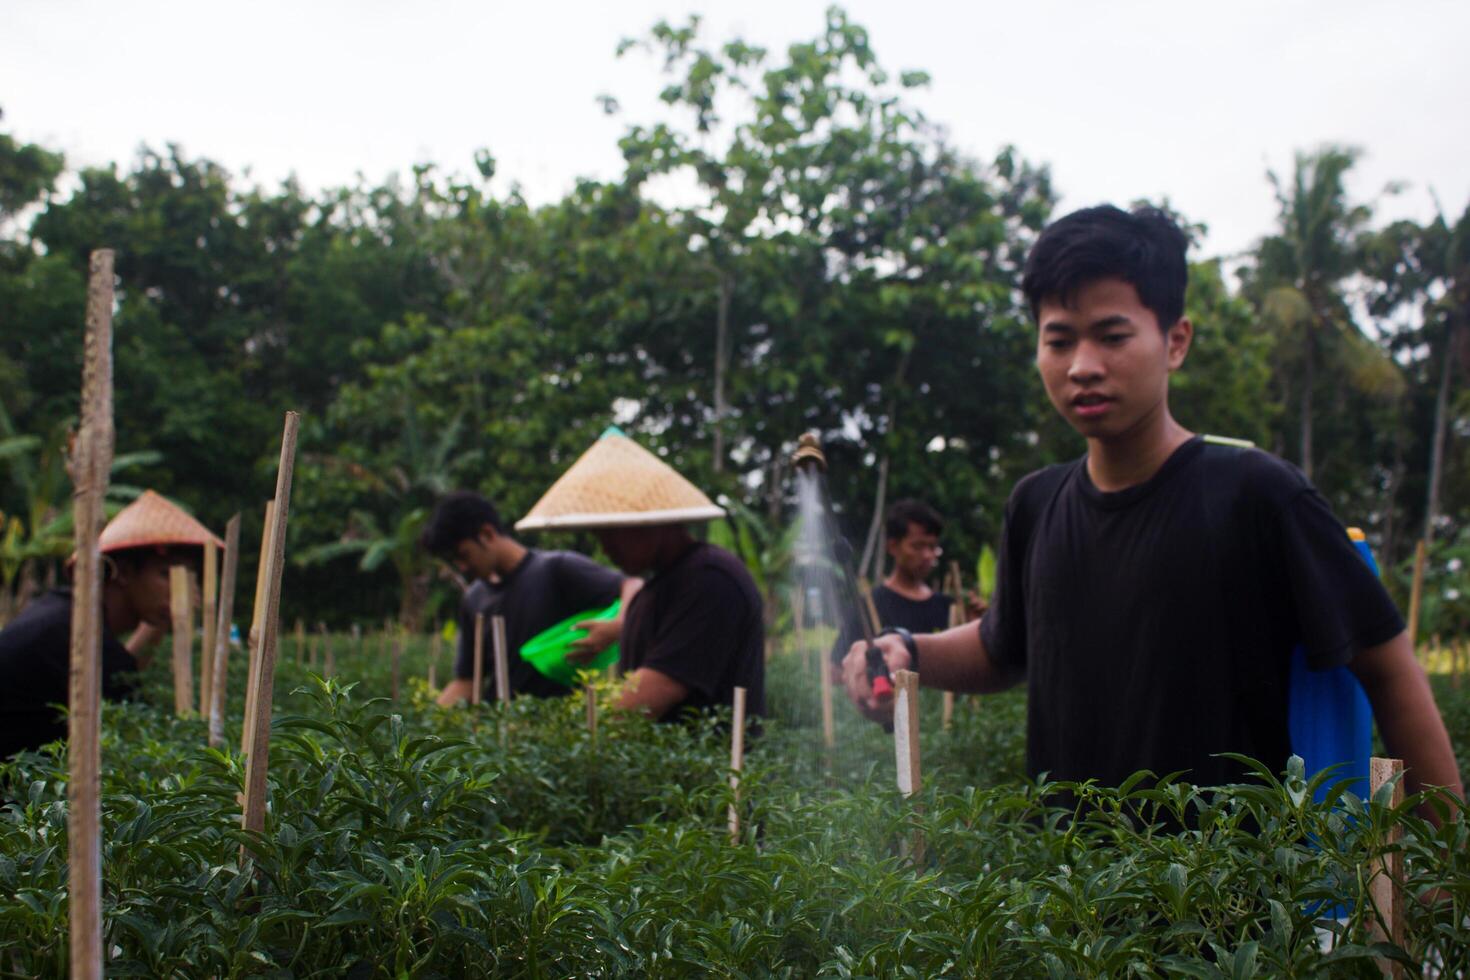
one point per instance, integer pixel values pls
(1299, 273)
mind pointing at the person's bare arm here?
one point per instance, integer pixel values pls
(603, 633)
(142, 644)
(457, 690)
(652, 692)
(1409, 720)
(955, 660)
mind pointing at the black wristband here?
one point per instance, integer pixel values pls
(908, 644)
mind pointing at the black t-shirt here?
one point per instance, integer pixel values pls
(1156, 624)
(544, 589)
(929, 616)
(699, 622)
(35, 673)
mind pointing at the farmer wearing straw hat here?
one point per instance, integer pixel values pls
(694, 632)
(138, 547)
(532, 589)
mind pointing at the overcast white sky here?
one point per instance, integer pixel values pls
(1183, 99)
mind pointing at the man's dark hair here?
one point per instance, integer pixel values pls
(906, 512)
(1145, 248)
(458, 516)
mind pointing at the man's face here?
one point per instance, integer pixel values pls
(145, 583)
(916, 554)
(1105, 362)
(475, 557)
(632, 549)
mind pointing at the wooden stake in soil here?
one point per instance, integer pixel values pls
(479, 677)
(824, 680)
(906, 741)
(300, 641)
(737, 761)
(502, 659)
(91, 463)
(1386, 883)
(397, 654)
(956, 588)
(259, 754)
(257, 617)
(207, 625)
(183, 629)
(589, 694)
(222, 633)
(1416, 593)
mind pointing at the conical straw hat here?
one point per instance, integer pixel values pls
(618, 483)
(152, 520)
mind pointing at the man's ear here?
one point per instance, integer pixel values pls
(1177, 340)
(488, 534)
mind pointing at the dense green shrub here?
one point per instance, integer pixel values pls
(404, 840)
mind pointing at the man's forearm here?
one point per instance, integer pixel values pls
(1407, 717)
(956, 660)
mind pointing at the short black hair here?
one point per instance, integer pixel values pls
(906, 512)
(458, 516)
(1144, 248)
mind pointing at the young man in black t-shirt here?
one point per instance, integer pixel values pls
(533, 590)
(1151, 593)
(905, 599)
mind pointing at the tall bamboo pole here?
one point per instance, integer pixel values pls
(183, 639)
(206, 615)
(256, 763)
(222, 633)
(252, 643)
(91, 465)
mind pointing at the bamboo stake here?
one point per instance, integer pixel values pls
(872, 609)
(502, 660)
(397, 647)
(906, 742)
(824, 679)
(737, 761)
(300, 636)
(253, 819)
(479, 681)
(1416, 593)
(91, 464)
(589, 693)
(207, 625)
(1387, 877)
(225, 614)
(183, 628)
(252, 666)
(956, 588)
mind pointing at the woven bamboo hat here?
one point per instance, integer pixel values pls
(618, 483)
(153, 521)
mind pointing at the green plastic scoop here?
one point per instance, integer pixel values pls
(547, 650)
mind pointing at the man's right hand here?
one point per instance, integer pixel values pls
(855, 674)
